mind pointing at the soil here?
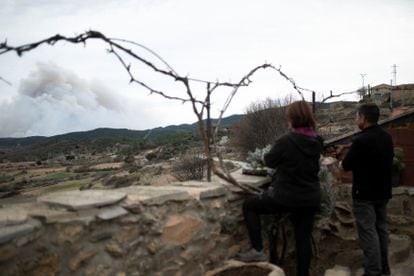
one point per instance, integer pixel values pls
(331, 251)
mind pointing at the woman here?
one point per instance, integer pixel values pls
(295, 186)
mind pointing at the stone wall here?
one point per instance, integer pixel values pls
(182, 229)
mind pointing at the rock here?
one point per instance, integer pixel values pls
(338, 271)
(181, 229)
(114, 249)
(233, 250)
(80, 259)
(99, 270)
(101, 235)
(76, 200)
(7, 252)
(400, 220)
(153, 246)
(48, 265)
(233, 265)
(12, 216)
(11, 232)
(128, 220)
(111, 212)
(69, 233)
(126, 234)
(152, 196)
(191, 253)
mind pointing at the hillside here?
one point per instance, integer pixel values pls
(101, 140)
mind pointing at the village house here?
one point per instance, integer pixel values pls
(397, 95)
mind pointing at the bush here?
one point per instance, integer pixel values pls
(190, 166)
(151, 156)
(119, 181)
(262, 124)
(398, 164)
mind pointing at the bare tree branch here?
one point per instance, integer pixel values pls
(6, 81)
(334, 96)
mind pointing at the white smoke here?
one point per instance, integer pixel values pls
(52, 100)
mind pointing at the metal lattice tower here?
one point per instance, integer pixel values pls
(394, 73)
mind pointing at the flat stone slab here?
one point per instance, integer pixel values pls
(201, 190)
(8, 233)
(12, 216)
(111, 212)
(251, 180)
(76, 200)
(149, 195)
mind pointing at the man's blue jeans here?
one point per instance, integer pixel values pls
(371, 219)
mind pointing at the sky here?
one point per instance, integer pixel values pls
(323, 45)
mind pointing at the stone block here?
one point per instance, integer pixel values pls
(12, 216)
(7, 252)
(180, 229)
(101, 235)
(77, 200)
(8, 233)
(112, 212)
(48, 264)
(114, 249)
(233, 266)
(126, 234)
(82, 258)
(49, 215)
(148, 195)
(201, 190)
(68, 233)
(338, 271)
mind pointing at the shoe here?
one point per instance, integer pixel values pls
(251, 256)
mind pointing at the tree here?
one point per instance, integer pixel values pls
(262, 124)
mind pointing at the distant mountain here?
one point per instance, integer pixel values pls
(41, 147)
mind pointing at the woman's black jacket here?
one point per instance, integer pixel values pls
(296, 160)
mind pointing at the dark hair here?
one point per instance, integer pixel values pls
(370, 111)
(300, 115)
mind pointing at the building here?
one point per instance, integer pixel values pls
(397, 95)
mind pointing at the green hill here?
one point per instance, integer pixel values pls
(101, 140)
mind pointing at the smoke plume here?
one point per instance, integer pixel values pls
(52, 100)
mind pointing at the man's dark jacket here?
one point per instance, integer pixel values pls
(370, 159)
(296, 159)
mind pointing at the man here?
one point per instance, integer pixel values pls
(370, 160)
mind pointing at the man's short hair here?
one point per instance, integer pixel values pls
(370, 111)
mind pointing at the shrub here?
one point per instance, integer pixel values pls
(151, 156)
(398, 162)
(255, 159)
(119, 181)
(262, 124)
(190, 166)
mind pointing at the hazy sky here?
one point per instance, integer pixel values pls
(322, 44)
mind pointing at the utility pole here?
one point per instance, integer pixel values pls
(363, 80)
(209, 135)
(363, 84)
